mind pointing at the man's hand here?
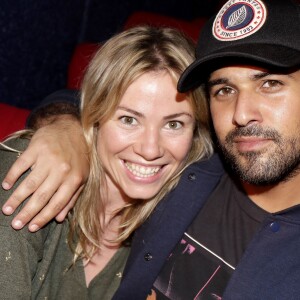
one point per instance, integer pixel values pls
(57, 158)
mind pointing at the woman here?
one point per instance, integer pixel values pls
(140, 135)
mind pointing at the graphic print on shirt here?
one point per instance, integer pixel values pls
(201, 264)
(192, 271)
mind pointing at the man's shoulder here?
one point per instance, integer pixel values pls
(197, 181)
(212, 165)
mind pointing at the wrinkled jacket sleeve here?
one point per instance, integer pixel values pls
(61, 96)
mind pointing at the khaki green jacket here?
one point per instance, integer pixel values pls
(26, 258)
(39, 265)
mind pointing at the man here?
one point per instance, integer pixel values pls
(243, 243)
(242, 240)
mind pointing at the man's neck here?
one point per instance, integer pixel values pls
(277, 197)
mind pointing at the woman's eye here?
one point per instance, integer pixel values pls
(174, 125)
(128, 120)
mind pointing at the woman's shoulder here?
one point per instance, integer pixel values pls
(10, 150)
(27, 257)
(14, 145)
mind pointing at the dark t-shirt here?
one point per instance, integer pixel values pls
(200, 266)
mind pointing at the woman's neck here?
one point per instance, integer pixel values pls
(113, 201)
(107, 249)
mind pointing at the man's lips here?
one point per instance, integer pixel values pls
(251, 143)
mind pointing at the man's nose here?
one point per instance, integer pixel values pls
(247, 109)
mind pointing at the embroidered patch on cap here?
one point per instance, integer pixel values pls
(238, 19)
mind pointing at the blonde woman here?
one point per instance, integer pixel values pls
(140, 134)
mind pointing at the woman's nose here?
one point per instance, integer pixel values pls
(149, 144)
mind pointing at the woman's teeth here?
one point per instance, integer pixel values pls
(142, 171)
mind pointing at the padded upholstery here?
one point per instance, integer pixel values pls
(11, 119)
(190, 28)
(80, 59)
(84, 52)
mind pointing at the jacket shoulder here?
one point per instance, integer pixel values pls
(213, 165)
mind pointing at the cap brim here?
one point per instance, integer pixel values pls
(278, 57)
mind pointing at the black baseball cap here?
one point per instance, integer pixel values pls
(260, 32)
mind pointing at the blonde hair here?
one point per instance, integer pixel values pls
(119, 62)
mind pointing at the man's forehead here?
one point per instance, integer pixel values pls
(238, 70)
(232, 73)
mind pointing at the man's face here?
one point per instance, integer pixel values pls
(256, 116)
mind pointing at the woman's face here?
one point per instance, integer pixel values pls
(147, 138)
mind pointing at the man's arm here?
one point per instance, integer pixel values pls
(57, 158)
(62, 102)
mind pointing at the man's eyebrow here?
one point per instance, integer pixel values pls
(260, 75)
(212, 83)
(224, 80)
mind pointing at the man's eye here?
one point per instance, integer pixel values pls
(224, 91)
(128, 120)
(174, 125)
(221, 91)
(271, 83)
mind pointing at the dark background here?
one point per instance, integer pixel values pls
(38, 37)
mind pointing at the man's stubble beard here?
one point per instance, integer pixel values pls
(266, 167)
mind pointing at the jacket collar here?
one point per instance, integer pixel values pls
(164, 229)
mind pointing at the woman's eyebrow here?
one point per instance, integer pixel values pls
(136, 113)
(132, 111)
(173, 116)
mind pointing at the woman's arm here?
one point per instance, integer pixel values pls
(57, 158)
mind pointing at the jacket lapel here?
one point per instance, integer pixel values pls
(154, 241)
